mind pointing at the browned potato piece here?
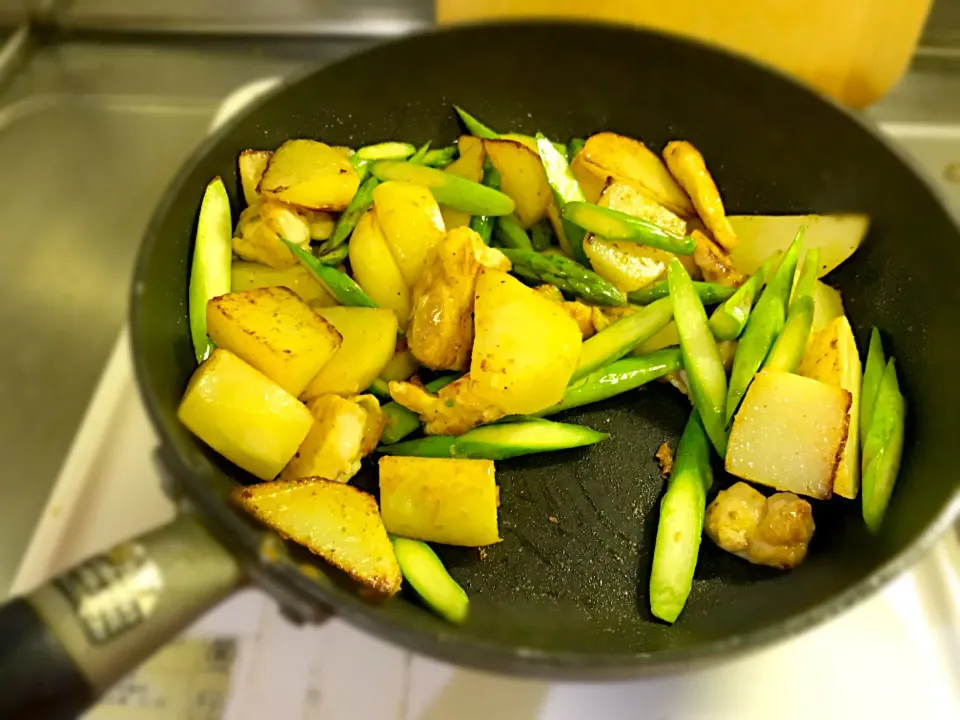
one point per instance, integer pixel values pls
(522, 178)
(251, 164)
(440, 500)
(688, 167)
(627, 160)
(243, 415)
(789, 433)
(309, 174)
(338, 522)
(411, 223)
(276, 332)
(338, 440)
(468, 166)
(592, 179)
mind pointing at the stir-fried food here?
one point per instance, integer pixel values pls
(433, 305)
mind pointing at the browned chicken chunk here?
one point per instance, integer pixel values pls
(581, 313)
(452, 411)
(716, 265)
(441, 331)
(772, 531)
(688, 168)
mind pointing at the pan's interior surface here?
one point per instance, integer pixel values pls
(567, 587)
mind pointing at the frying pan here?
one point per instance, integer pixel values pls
(565, 598)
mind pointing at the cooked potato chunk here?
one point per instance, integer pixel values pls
(522, 178)
(376, 271)
(411, 223)
(251, 164)
(452, 411)
(468, 166)
(832, 357)
(369, 338)
(440, 500)
(592, 179)
(627, 160)
(259, 231)
(309, 174)
(321, 224)
(441, 331)
(582, 314)
(526, 347)
(276, 332)
(338, 522)
(714, 263)
(401, 366)
(827, 307)
(243, 415)
(338, 440)
(772, 531)
(250, 275)
(789, 433)
(687, 166)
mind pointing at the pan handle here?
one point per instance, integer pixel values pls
(71, 639)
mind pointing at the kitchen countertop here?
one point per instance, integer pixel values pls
(96, 126)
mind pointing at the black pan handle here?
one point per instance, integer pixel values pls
(71, 639)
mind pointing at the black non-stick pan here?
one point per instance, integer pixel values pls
(565, 598)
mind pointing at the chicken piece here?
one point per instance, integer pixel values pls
(441, 330)
(688, 168)
(260, 228)
(772, 531)
(581, 313)
(452, 411)
(664, 459)
(346, 429)
(716, 265)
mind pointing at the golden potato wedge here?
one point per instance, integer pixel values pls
(321, 224)
(592, 179)
(411, 223)
(309, 174)
(251, 164)
(827, 307)
(522, 178)
(251, 275)
(440, 500)
(525, 348)
(790, 433)
(276, 332)
(338, 440)
(369, 338)
(376, 271)
(243, 415)
(338, 522)
(468, 166)
(402, 365)
(832, 357)
(688, 168)
(627, 160)
(631, 200)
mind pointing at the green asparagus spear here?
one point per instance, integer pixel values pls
(618, 377)
(872, 373)
(709, 293)
(402, 421)
(701, 359)
(680, 526)
(883, 448)
(576, 145)
(763, 326)
(615, 225)
(418, 157)
(423, 570)
(623, 336)
(474, 126)
(483, 224)
(499, 442)
(566, 190)
(509, 234)
(333, 257)
(448, 189)
(566, 274)
(541, 235)
(210, 268)
(361, 166)
(808, 276)
(386, 151)
(341, 285)
(359, 204)
(789, 347)
(380, 388)
(728, 320)
(440, 157)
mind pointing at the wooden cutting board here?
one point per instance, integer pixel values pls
(854, 50)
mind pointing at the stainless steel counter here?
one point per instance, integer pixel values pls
(91, 133)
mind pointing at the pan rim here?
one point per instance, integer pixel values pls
(473, 652)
